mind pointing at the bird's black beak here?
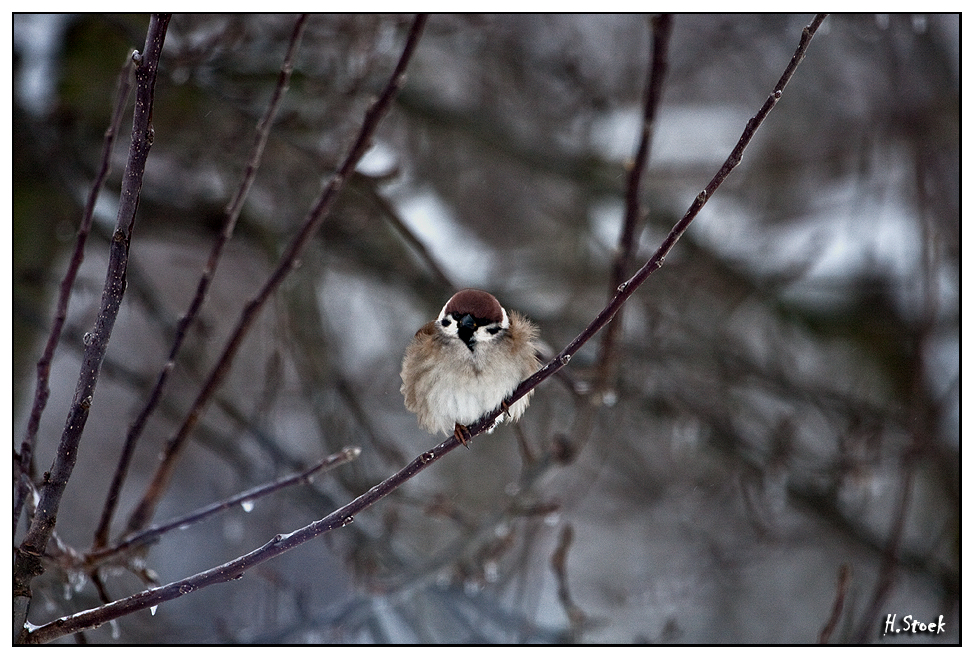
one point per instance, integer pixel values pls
(465, 329)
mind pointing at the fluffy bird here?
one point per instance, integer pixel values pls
(466, 362)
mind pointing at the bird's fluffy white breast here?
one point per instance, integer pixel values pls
(465, 386)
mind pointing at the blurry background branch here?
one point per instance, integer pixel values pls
(662, 27)
(232, 215)
(779, 378)
(24, 458)
(288, 261)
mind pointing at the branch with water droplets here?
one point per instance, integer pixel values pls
(245, 499)
(236, 568)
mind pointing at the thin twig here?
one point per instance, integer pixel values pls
(232, 214)
(27, 562)
(890, 566)
(42, 390)
(153, 532)
(392, 216)
(144, 510)
(559, 560)
(888, 569)
(658, 65)
(921, 421)
(608, 355)
(841, 589)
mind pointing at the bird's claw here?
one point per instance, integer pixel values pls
(461, 434)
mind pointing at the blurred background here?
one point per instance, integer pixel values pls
(784, 404)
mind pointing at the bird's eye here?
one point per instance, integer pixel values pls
(493, 330)
(445, 322)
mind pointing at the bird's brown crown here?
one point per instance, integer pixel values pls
(479, 304)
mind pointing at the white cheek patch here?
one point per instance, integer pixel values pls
(483, 336)
(450, 329)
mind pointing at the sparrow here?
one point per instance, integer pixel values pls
(466, 362)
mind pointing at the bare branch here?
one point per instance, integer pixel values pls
(232, 214)
(236, 568)
(607, 357)
(152, 533)
(392, 216)
(27, 563)
(42, 391)
(173, 449)
(626, 289)
(658, 65)
(888, 570)
(841, 588)
(559, 559)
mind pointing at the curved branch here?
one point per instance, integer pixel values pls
(153, 533)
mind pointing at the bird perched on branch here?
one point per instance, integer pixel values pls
(466, 362)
